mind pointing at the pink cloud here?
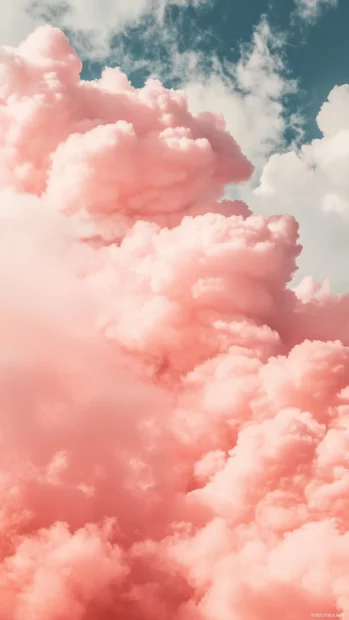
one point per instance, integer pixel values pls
(174, 421)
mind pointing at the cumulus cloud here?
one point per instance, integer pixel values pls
(174, 419)
(312, 183)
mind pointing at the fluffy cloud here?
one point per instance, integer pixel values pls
(312, 183)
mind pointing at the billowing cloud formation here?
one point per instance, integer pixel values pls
(174, 421)
(320, 196)
(320, 166)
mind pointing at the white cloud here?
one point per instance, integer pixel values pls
(250, 96)
(15, 22)
(310, 9)
(312, 183)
